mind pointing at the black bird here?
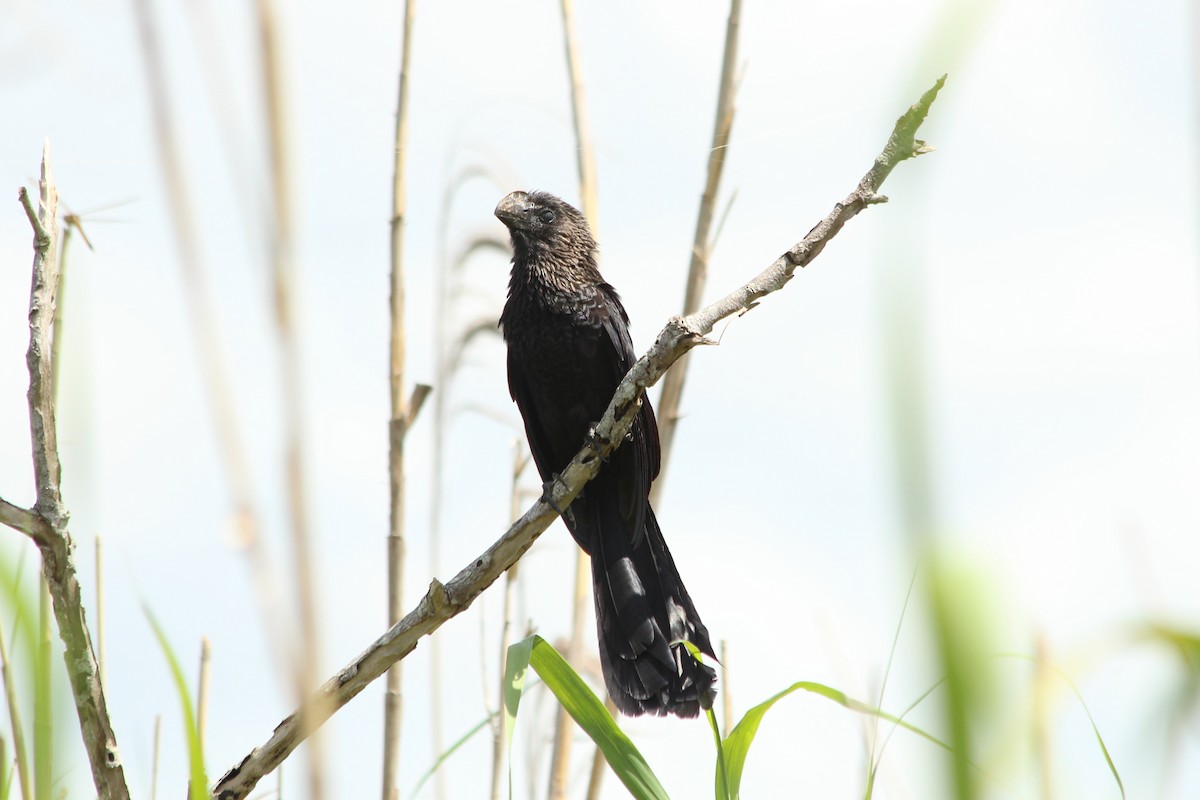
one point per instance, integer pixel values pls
(568, 348)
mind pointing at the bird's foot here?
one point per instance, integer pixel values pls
(548, 494)
(597, 442)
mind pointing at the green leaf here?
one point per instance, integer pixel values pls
(197, 782)
(516, 665)
(1112, 767)
(737, 744)
(5, 775)
(15, 596)
(584, 707)
(722, 789)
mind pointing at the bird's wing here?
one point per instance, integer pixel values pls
(640, 465)
(616, 324)
(539, 438)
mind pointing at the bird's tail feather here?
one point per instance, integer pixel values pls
(643, 615)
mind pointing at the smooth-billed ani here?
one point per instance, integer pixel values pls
(568, 348)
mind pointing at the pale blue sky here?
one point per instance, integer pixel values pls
(1052, 235)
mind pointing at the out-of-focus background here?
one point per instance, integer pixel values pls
(991, 382)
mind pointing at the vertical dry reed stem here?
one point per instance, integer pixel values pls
(154, 757)
(57, 336)
(397, 428)
(202, 689)
(100, 607)
(202, 317)
(520, 459)
(283, 274)
(585, 157)
(585, 160)
(447, 364)
(672, 391)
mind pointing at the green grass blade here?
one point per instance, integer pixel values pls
(737, 744)
(21, 761)
(5, 775)
(197, 783)
(1112, 767)
(879, 756)
(722, 787)
(584, 707)
(466, 737)
(24, 647)
(1100, 740)
(875, 755)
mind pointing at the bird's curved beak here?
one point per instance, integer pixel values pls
(511, 210)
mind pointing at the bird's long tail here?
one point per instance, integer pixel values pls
(643, 615)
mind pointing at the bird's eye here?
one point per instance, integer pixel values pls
(547, 216)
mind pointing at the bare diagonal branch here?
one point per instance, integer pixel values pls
(681, 334)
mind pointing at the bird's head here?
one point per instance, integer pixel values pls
(538, 219)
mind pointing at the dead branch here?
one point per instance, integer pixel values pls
(46, 522)
(681, 334)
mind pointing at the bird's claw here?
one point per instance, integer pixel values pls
(597, 442)
(548, 494)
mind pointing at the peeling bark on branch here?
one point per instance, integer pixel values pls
(681, 334)
(46, 522)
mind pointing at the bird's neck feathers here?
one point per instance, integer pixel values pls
(555, 269)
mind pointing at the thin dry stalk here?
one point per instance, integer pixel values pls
(520, 459)
(154, 757)
(444, 601)
(564, 726)
(585, 157)
(398, 425)
(71, 223)
(672, 391)
(14, 718)
(202, 317)
(57, 335)
(100, 607)
(46, 522)
(210, 43)
(202, 688)
(283, 281)
(449, 356)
